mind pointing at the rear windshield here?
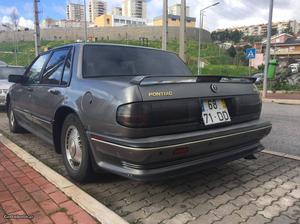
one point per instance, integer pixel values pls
(130, 61)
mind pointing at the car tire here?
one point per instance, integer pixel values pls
(75, 149)
(14, 126)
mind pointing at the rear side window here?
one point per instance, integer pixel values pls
(99, 60)
(54, 69)
(67, 70)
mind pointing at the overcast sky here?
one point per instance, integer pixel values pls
(229, 13)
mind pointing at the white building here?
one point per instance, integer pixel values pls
(117, 11)
(128, 21)
(75, 12)
(176, 10)
(134, 8)
(96, 8)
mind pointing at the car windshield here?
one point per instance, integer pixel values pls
(101, 60)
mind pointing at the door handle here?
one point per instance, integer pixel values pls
(54, 91)
(29, 89)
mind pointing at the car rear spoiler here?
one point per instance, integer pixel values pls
(156, 80)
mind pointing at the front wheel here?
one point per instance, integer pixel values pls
(14, 126)
(75, 149)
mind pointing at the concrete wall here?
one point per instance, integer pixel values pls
(106, 33)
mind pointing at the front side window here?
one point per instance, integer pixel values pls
(54, 69)
(33, 75)
(101, 60)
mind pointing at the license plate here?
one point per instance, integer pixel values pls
(214, 112)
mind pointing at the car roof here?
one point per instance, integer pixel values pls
(105, 44)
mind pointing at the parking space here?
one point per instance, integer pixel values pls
(266, 190)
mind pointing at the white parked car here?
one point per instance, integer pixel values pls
(295, 67)
(5, 71)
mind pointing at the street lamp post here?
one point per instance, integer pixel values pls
(165, 25)
(201, 27)
(267, 53)
(182, 31)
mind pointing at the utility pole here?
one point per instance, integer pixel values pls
(165, 26)
(267, 53)
(85, 23)
(199, 42)
(182, 34)
(201, 28)
(37, 34)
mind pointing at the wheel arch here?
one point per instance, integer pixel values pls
(59, 117)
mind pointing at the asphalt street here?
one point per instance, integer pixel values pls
(285, 135)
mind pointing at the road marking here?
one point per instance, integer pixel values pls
(289, 156)
(84, 200)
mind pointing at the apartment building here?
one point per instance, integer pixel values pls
(176, 10)
(96, 8)
(134, 8)
(117, 11)
(262, 29)
(75, 12)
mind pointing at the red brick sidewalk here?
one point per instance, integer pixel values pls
(23, 191)
(283, 96)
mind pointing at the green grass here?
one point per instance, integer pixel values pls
(217, 61)
(227, 70)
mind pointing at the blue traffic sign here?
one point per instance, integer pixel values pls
(250, 53)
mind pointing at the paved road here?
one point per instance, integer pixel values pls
(285, 135)
(266, 190)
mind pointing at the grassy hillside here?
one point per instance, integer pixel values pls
(217, 60)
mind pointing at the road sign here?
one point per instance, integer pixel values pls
(250, 53)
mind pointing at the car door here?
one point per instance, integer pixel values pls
(22, 95)
(50, 92)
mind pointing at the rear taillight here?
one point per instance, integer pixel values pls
(159, 113)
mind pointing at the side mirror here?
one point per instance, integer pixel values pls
(16, 78)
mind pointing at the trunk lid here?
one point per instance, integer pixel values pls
(240, 94)
(180, 87)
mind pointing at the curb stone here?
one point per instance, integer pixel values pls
(84, 200)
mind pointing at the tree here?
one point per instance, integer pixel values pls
(253, 39)
(288, 30)
(226, 35)
(274, 31)
(231, 51)
(236, 36)
(15, 18)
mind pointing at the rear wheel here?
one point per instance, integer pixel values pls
(75, 149)
(14, 126)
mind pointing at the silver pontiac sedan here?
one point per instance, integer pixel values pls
(138, 112)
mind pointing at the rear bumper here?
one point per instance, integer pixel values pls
(171, 155)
